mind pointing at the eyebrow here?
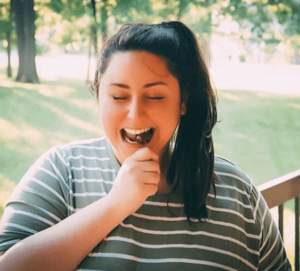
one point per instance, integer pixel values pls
(155, 84)
(152, 84)
(119, 85)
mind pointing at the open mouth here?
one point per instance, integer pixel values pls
(142, 136)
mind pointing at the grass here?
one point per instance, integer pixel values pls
(33, 118)
(258, 131)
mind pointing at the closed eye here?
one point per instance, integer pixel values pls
(119, 98)
(156, 98)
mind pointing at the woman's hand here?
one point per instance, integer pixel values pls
(137, 179)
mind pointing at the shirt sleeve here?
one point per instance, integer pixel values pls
(272, 252)
(40, 200)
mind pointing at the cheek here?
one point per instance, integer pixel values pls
(168, 117)
(109, 116)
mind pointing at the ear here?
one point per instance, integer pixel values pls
(183, 108)
(183, 104)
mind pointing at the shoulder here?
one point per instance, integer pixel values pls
(78, 152)
(80, 148)
(230, 174)
(90, 156)
(86, 146)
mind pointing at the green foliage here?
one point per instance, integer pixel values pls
(69, 28)
(70, 23)
(129, 11)
(41, 49)
(5, 20)
(68, 8)
(4, 26)
(56, 5)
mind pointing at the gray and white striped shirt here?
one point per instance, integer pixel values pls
(239, 233)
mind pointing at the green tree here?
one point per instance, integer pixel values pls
(288, 15)
(6, 32)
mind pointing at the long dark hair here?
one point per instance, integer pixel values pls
(191, 169)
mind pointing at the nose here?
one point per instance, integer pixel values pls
(136, 108)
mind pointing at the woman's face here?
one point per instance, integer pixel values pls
(139, 103)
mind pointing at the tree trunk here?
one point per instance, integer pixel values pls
(8, 49)
(179, 14)
(93, 39)
(8, 38)
(180, 10)
(89, 62)
(94, 32)
(24, 18)
(17, 9)
(104, 19)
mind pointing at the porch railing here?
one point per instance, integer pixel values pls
(279, 191)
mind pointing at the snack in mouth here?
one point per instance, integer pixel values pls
(141, 137)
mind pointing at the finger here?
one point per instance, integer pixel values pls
(150, 178)
(145, 154)
(133, 166)
(148, 166)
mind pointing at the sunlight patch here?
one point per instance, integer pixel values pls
(87, 104)
(231, 96)
(46, 92)
(63, 90)
(264, 94)
(10, 132)
(218, 147)
(293, 105)
(71, 119)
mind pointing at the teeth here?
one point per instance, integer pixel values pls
(136, 132)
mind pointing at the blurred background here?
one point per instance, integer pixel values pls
(48, 52)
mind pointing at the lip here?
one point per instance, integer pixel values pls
(137, 136)
(136, 131)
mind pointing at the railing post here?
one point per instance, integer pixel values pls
(297, 237)
(279, 191)
(280, 219)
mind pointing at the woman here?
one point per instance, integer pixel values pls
(134, 200)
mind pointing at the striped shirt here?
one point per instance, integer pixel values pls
(239, 233)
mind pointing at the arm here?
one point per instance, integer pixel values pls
(64, 245)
